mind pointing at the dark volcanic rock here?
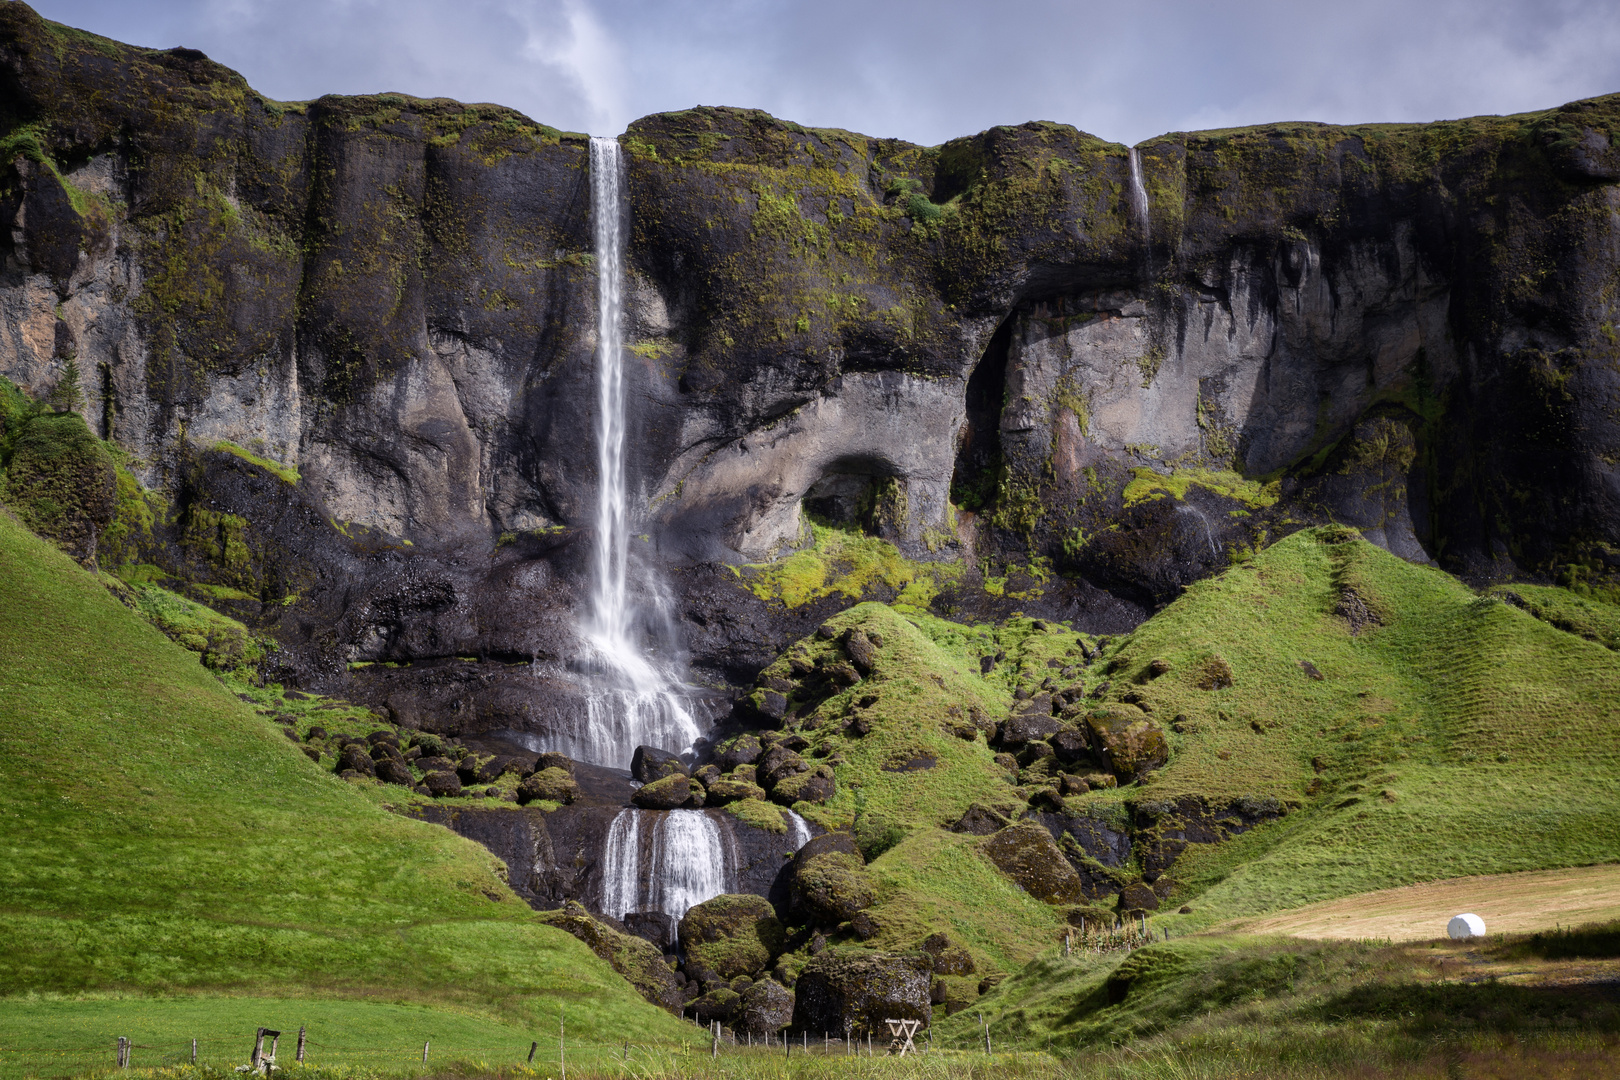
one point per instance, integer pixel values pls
(980, 821)
(637, 960)
(551, 784)
(856, 991)
(655, 926)
(649, 763)
(828, 882)
(390, 771)
(667, 794)
(1128, 740)
(442, 784)
(765, 1008)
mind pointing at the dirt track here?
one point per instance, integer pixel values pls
(1509, 903)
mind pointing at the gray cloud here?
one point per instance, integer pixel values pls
(924, 72)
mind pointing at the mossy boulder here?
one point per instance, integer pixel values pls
(354, 756)
(856, 990)
(950, 957)
(390, 771)
(442, 785)
(732, 935)
(980, 820)
(729, 790)
(669, 793)
(827, 881)
(765, 1008)
(815, 786)
(1129, 740)
(636, 959)
(778, 764)
(1027, 854)
(551, 784)
(742, 750)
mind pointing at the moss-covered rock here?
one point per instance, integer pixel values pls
(815, 786)
(669, 793)
(728, 790)
(1130, 740)
(1027, 854)
(828, 883)
(553, 784)
(857, 991)
(732, 935)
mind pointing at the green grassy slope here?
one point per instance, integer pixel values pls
(1459, 735)
(157, 837)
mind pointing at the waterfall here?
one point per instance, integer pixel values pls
(798, 830)
(680, 860)
(1139, 196)
(1209, 535)
(633, 698)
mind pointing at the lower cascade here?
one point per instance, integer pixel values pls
(672, 860)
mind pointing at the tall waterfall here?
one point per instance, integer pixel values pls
(684, 860)
(633, 698)
(1139, 196)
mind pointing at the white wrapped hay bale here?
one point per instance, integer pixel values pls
(1465, 926)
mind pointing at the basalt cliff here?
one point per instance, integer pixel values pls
(346, 349)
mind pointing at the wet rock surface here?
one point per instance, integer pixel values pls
(855, 990)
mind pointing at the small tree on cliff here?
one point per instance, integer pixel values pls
(67, 395)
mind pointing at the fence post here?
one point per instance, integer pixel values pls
(562, 1052)
(425, 1046)
(986, 1033)
(532, 1048)
(123, 1052)
(258, 1049)
(194, 1051)
(714, 1038)
(299, 1056)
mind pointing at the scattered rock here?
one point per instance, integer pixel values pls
(860, 650)
(1311, 670)
(743, 750)
(719, 1004)
(317, 734)
(1156, 668)
(390, 771)
(1028, 727)
(553, 760)
(354, 758)
(707, 775)
(815, 786)
(950, 958)
(442, 785)
(1353, 609)
(777, 764)
(729, 790)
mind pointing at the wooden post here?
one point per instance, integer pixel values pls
(258, 1049)
(299, 1056)
(532, 1048)
(562, 1052)
(986, 1033)
(627, 1051)
(123, 1052)
(275, 1040)
(714, 1038)
(194, 1051)
(787, 1047)
(425, 1046)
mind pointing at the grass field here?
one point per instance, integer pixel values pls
(161, 839)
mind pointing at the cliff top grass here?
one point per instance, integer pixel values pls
(160, 839)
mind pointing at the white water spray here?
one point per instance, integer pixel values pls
(1139, 195)
(634, 699)
(681, 859)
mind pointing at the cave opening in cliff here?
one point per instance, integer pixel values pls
(862, 493)
(978, 447)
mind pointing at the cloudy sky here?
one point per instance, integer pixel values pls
(919, 71)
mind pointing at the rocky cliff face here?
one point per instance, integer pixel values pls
(348, 344)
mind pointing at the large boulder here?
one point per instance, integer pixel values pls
(732, 935)
(1028, 727)
(827, 881)
(1129, 740)
(1026, 853)
(658, 927)
(980, 820)
(766, 1008)
(442, 785)
(390, 771)
(636, 959)
(857, 991)
(649, 763)
(777, 764)
(669, 793)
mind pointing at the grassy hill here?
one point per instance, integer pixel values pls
(159, 838)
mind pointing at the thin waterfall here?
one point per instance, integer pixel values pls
(633, 699)
(798, 830)
(621, 865)
(1139, 196)
(681, 859)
